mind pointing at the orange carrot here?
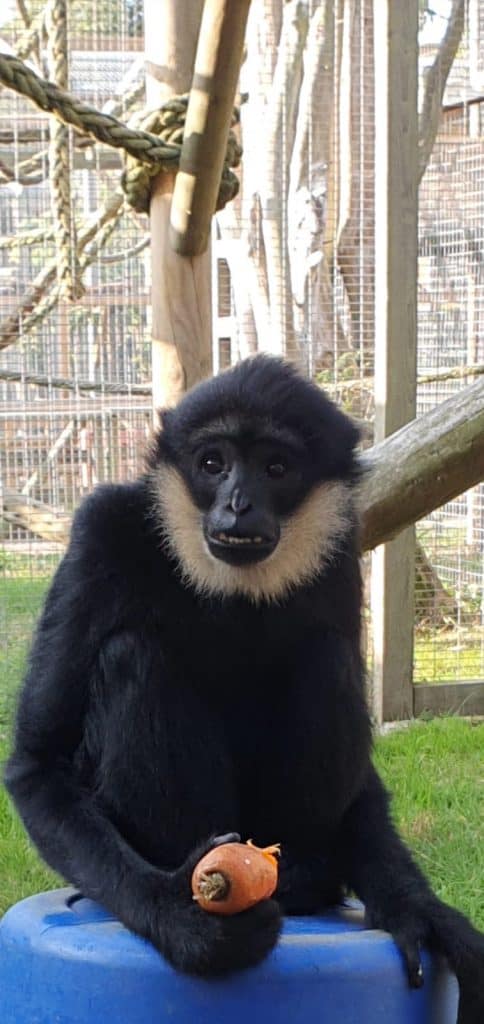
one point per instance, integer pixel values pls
(235, 876)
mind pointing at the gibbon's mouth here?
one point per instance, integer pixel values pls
(238, 549)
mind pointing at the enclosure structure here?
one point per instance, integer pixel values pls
(303, 260)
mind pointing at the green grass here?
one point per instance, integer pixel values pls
(434, 769)
(21, 871)
(447, 656)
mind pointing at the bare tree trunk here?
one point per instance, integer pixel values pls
(308, 190)
(281, 126)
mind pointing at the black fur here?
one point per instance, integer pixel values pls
(153, 719)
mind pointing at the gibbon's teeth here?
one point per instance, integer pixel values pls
(238, 540)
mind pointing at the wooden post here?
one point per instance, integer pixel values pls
(207, 124)
(396, 184)
(181, 292)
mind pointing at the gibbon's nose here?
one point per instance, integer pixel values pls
(239, 503)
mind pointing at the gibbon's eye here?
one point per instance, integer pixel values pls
(212, 463)
(276, 469)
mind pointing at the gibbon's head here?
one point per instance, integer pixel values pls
(252, 474)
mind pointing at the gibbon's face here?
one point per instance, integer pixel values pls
(248, 514)
(252, 476)
(245, 488)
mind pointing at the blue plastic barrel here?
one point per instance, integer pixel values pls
(64, 960)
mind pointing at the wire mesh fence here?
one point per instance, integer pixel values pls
(449, 571)
(293, 260)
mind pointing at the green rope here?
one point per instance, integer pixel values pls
(83, 118)
(27, 172)
(168, 123)
(142, 145)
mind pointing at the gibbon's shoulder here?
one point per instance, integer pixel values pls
(114, 526)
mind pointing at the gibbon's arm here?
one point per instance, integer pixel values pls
(73, 833)
(399, 899)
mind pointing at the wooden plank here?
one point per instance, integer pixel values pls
(181, 289)
(396, 177)
(207, 125)
(466, 698)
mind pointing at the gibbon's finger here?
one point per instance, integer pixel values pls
(229, 837)
(410, 950)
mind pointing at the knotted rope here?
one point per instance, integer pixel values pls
(168, 123)
(156, 152)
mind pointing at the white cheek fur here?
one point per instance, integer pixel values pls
(308, 540)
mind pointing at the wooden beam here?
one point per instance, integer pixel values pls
(423, 465)
(207, 125)
(466, 698)
(181, 288)
(396, 180)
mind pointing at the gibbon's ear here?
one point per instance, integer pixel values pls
(164, 416)
(334, 444)
(348, 440)
(161, 448)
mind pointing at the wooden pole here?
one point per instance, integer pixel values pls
(207, 125)
(425, 464)
(422, 466)
(181, 288)
(396, 191)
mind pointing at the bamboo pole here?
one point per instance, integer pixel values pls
(181, 288)
(207, 125)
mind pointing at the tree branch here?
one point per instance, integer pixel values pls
(435, 82)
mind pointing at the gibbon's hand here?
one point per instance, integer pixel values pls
(442, 929)
(209, 944)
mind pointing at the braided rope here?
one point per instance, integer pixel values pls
(9, 174)
(140, 144)
(68, 270)
(83, 118)
(26, 238)
(26, 172)
(50, 299)
(149, 155)
(26, 313)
